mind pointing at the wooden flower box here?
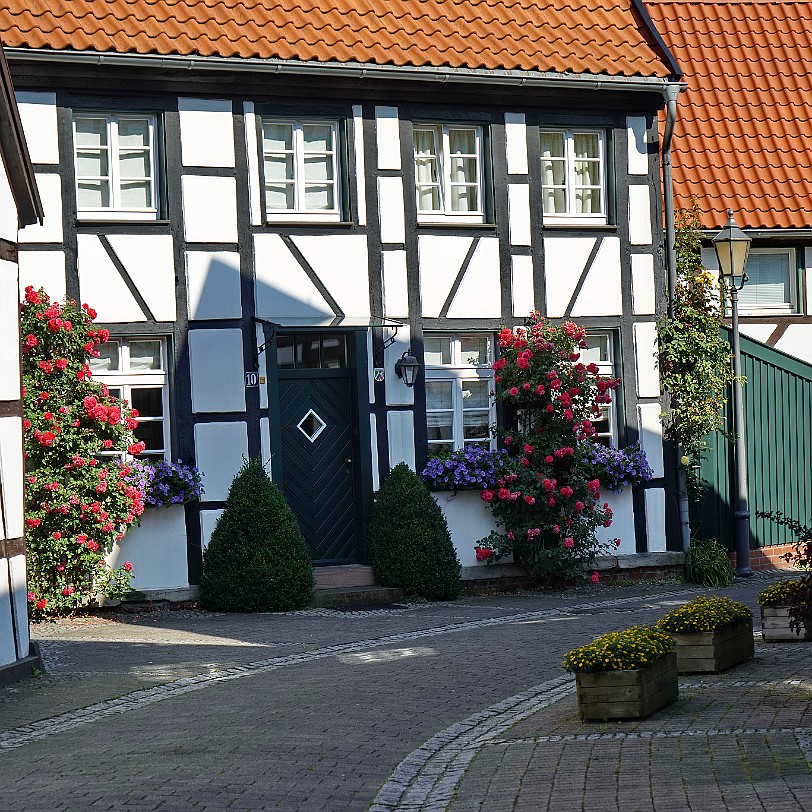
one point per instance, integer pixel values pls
(775, 626)
(632, 694)
(709, 652)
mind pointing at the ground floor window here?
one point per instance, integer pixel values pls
(600, 350)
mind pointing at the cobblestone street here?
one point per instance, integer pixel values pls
(456, 706)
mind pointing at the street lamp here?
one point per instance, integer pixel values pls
(732, 246)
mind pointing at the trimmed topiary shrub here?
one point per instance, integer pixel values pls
(257, 559)
(409, 543)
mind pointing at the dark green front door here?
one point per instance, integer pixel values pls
(318, 469)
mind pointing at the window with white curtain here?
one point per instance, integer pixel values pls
(771, 281)
(460, 408)
(115, 160)
(448, 172)
(301, 167)
(573, 174)
(600, 351)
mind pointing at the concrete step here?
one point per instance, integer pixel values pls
(359, 596)
(346, 575)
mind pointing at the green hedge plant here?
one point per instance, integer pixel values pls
(408, 539)
(257, 559)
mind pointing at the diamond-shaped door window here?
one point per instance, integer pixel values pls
(311, 425)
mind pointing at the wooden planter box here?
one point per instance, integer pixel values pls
(709, 652)
(632, 694)
(775, 626)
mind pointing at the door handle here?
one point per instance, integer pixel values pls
(348, 461)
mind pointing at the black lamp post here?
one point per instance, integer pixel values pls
(406, 368)
(732, 246)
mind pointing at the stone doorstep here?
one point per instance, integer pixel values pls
(345, 575)
(359, 596)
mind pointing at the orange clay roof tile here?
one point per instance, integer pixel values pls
(744, 129)
(572, 36)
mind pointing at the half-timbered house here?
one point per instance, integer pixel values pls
(268, 206)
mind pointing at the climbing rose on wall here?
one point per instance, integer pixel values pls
(78, 501)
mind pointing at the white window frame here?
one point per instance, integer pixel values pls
(440, 134)
(786, 308)
(116, 211)
(570, 187)
(458, 373)
(299, 213)
(126, 379)
(607, 370)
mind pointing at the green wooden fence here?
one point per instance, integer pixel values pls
(778, 429)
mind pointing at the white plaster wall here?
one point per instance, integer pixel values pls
(644, 298)
(602, 293)
(101, 285)
(220, 449)
(11, 473)
(440, 261)
(390, 210)
(395, 284)
(43, 269)
(252, 153)
(206, 132)
(645, 358)
(523, 295)
(516, 143)
(564, 260)
(150, 261)
(209, 208)
(360, 168)
(655, 519)
(8, 651)
(400, 428)
(479, 293)
(38, 114)
(9, 332)
(797, 341)
(8, 209)
(341, 262)
(469, 519)
(373, 433)
(397, 393)
(758, 332)
(218, 375)
(19, 592)
(519, 213)
(50, 192)
(213, 284)
(638, 149)
(651, 435)
(639, 215)
(622, 527)
(283, 289)
(387, 131)
(208, 521)
(156, 549)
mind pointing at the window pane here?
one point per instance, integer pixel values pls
(319, 197)
(437, 350)
(462, 142)
(134, 165)
(318, 137)
(91, 164)
(115, 392)
(91, 132)
(284, 352)
(475, 394)
(108, 358)
(279, 167)
(586, 145)
(279, 196)
(588, 201)
(426, 170)
(148, 401)
(475, 425)
(425, 142)
(463, 170)
(133, 132)
(554, 201)
(768, 283)
(307, 351)
(438, 426)
(277, 137)
(597, 350)
(93, 194)
(587, 173)
(151, 433)
(553, 173)
(474, 350)
(438, 448)
(552, 145)
(333, 351)
(438, 395)
(145, 355)
(464, 198)
(136, 195)
(428, 198)
(318, 167)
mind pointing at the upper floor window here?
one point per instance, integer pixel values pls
(448, 172)
(301, 165)
(771, 281)
(115, 158)
(459, 380)
(573, 175)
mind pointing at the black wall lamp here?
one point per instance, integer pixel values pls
(406, 368)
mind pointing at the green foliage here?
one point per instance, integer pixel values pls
(709, 564)
(408, 539)
(636, 647)
(257, 559)
(704, 614)
(781, 593)
(694, 357)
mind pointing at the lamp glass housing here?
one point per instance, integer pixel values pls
(732, 246)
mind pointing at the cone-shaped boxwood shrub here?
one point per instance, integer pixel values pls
(257, 559)
(409, 543)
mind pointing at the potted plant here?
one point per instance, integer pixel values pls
(624, 675)
(775, 602)
(710, 634)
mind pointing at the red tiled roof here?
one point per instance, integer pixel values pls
(743, 138)
(573, 36)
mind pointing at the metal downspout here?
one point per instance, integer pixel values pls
(670, 93)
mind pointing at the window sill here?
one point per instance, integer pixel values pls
(446, 225)
(572, 225)
(119, 221)
(308, 223)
